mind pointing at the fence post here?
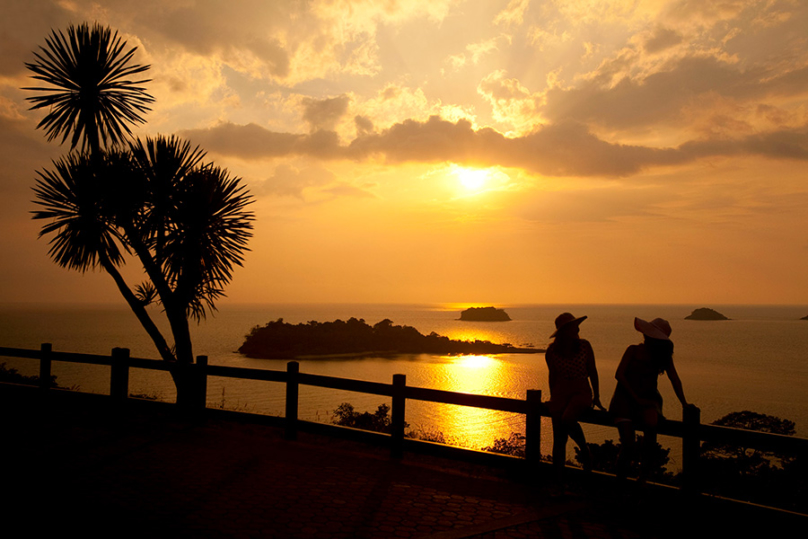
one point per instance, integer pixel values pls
(533, 429)
(691, 445)
(399, 412)
(119, 375)
(201, 401)
(292, 389)
(45, 365)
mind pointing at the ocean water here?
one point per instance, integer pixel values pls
(757, 361)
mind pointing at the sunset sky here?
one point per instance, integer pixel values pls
(497, 152)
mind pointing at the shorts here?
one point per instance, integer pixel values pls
(623, 408)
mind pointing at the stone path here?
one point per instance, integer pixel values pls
(147, 476)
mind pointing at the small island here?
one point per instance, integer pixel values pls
(279, 340)
(705, 314)
(804, 318)
(484, 314)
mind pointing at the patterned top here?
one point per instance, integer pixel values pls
(570, 368)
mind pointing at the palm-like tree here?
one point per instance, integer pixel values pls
(90, 94)
(186, 221)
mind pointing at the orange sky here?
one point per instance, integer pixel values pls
(574, 151)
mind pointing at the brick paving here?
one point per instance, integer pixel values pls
(152, 476)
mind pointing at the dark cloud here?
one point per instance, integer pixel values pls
(560, 150)
(565, 149)
(252, 141)
(363, 125)
(784, 144)
(323, 114)
(205, 27)
(661, 39)
(23, 29)
(662, 97)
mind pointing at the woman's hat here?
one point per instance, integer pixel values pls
(566, 318)
(657, 328)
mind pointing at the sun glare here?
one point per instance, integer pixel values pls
(472, 179)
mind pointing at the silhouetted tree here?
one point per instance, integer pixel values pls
(185, 221)
(89, 93)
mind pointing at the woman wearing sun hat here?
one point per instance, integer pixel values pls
(571, 368)
(636, 400)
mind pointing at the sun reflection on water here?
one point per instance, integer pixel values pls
(468, 426)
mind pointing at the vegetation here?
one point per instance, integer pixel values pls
(279, 340)
(514, 445)
(484, 314)
(185, 221)
(11, 375)
(705, 313)
(766, 477)
(604, 459)
(346, 416)
(379, 421)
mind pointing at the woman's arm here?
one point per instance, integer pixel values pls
(673, 376)
(550, 369)
(592, 371)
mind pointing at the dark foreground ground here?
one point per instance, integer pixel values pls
(72, 470)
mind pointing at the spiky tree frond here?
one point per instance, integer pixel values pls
(73, 199)
(91, 94)
(163, 162)
(207, 236)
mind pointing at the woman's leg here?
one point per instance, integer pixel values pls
(559, 447)
(650, 420)
(577, 406)
(626, 430)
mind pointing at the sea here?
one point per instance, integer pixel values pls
(756, 361)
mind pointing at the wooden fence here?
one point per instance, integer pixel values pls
(690, 430)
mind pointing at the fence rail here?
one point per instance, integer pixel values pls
(690, 430)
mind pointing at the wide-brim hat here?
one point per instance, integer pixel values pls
(658, 328)
(565, 319)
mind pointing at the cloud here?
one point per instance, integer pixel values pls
(510, 101)
(662, 38)
(565, 149)
(662, 97)
(252, 141)
(513, 14)
(346, 190)
(363, 125)
(291, 181)
(323, 114)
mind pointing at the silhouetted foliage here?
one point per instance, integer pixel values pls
(279, 340)
(12, 376)
(379, 421)
(484, 314)
(514, 445)
(766, 477)
(90, 93)
(185, 221)
(604, 459)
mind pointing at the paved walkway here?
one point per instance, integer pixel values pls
(75, 471)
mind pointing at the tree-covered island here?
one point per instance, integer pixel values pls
(280, 340)
(484, 314)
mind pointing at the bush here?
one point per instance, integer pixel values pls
(514, 445)
(379, 421)
(604, 459)
(12, 376)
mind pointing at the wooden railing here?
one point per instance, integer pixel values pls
(690, 430)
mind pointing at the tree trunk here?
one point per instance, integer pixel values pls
(138, 308)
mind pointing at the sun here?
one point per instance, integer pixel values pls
(472, 180)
